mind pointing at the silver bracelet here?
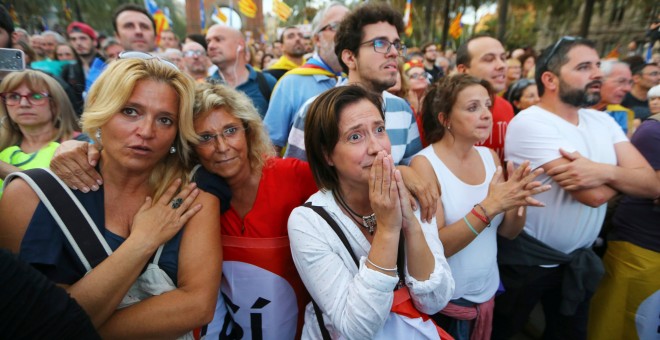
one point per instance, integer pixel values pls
(394, 270)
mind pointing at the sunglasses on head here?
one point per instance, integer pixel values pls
(145, 56)
(555, 47)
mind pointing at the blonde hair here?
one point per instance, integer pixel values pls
(64, 117)
(115, 86)
(209, 97)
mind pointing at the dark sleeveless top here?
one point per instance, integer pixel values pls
(45, 247)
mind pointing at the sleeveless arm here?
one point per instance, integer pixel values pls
(192, 303)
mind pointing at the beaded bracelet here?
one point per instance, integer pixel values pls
(480, 217)
(394, 270)
(484, 210)
(470, 226)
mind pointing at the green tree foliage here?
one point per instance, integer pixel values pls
(32, 14)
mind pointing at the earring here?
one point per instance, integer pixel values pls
(98, 135)
(172, 149)
(449, 127)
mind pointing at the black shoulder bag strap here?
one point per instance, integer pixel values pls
(70, 215)
(263, 86)
(335, 227)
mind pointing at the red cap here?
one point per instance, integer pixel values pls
(77, 26)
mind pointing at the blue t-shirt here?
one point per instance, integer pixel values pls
(251, 88)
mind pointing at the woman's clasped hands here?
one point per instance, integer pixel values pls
(390, 200)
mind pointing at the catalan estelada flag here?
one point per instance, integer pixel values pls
(456, 28)
(282, 10)
(407, 18)
(161, 20)
(248, 8)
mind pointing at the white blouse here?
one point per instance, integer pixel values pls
(356, 302)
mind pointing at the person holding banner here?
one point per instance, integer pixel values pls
(364, 204)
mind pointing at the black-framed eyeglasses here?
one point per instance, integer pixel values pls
(229, 133)
(194, 53)
(382, 45)
(333, 26)
(556, 47)
(34, 98)
(145, 56)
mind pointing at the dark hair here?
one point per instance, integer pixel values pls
(636, 63)
(322, 129)
(281, 38)
(134, 8)
(516, 90)
(463, 56)
(263, 57)
(350, 33)
(7, 24)
(527, 55)
(639, 68)
(198, 38)
(427, 45)
(558, 53)
(441, 98)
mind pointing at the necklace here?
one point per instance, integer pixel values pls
(368, 222)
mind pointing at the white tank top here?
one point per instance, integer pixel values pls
(474, 267)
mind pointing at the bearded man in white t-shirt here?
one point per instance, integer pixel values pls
(587, 160)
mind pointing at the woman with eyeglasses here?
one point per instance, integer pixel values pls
(258, 272)
(418, 80)
(522, 94)
(157, 267)
(477, 204)
(233, 146)
(401, 90)
(357, 240)
(35, 116)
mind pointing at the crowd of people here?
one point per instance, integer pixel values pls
(331, 184)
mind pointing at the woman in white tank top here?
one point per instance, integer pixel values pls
(476, 203)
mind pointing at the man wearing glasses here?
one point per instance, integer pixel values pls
(587, 159)
(617, 82)
(195, 61)
(368, 46)
(645, 76)
(318, 74)
(430, 54)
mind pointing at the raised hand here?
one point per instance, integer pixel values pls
(74, 163)
(157, 222)
(384, 194)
